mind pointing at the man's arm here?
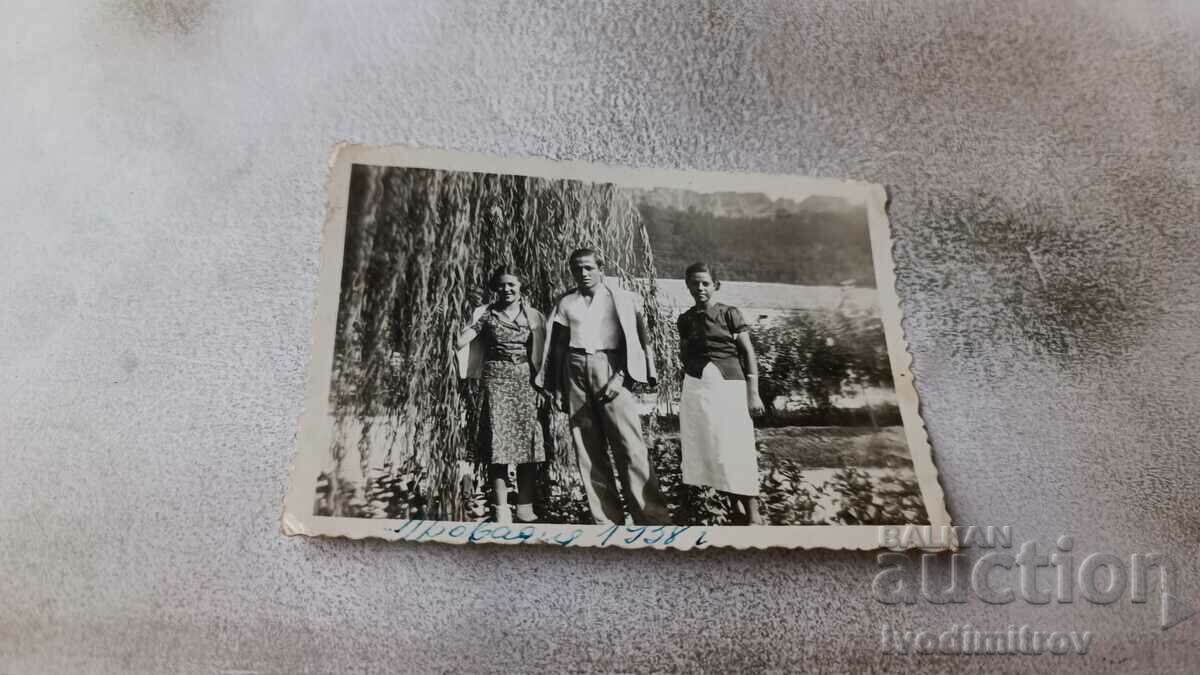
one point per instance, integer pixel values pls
(647, 341)
(558, 338)
(537, 341)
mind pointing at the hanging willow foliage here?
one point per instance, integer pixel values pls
(420, 245)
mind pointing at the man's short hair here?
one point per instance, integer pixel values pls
(586, 253)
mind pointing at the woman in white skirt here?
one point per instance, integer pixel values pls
(720, 392)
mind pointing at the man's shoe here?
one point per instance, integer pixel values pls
(502, 514)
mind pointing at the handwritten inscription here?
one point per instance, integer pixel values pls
(650, 535)
(629, 536)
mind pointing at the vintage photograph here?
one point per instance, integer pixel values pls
(551, 348)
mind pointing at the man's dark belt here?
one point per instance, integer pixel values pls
(581, 350)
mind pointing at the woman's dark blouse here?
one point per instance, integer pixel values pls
(710, 336)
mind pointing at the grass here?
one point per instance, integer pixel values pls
(837, 447)
(829, 447)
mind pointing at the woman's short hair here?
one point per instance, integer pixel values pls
(702, 268)
(505, 271)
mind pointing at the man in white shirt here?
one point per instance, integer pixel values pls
(597, 338)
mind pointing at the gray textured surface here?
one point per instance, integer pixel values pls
(163, 192)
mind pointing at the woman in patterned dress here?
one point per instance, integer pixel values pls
(496, 348)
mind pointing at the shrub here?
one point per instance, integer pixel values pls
(788, 499)
(889, 500)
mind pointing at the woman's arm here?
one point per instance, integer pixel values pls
(465, 337)
(683, 340)
(750, 368)
(472, 330)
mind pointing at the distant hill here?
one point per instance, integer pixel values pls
(753, 295)
(819, 241)
(719, 204)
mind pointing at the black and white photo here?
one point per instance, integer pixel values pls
(512, 349)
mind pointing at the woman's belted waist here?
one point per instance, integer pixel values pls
(506, 357)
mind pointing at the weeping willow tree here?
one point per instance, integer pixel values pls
(420, 245)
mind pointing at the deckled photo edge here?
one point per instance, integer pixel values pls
(312, 431)
(901, 360)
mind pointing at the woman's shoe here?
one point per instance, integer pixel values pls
(525, 513)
